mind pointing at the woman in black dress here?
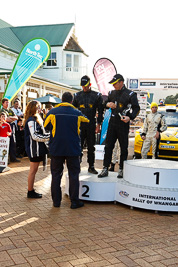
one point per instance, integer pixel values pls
(35, 138)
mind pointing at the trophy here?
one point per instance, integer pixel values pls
(125, 111)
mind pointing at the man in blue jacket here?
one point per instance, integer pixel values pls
(64, 122)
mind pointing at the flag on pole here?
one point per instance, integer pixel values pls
(103, 71)
(31, 57)
(104, 129)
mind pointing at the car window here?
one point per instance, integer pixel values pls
(171, 119)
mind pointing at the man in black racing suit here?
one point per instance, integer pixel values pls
(89, 103)
(124, 105)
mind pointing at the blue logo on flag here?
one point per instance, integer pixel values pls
(31, 57)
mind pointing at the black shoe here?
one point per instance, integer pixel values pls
(104, 173)
(15, 160)
(120, 174)
(56, 205)
(76, 204)
(33, 194)
(19, 156)
(92, 170)
(111, 169)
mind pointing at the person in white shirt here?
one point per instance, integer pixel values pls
(16, 108)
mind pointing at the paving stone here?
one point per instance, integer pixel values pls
(18, 258)
(33, 233)
(98, 263)
(143, 263)
(81, 261)
(34, 261)
(4, 256)
(168, 262)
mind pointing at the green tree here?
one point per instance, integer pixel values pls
(171, 99)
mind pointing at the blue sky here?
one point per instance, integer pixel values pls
(139, 36)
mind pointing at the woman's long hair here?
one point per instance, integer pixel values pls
(32, 111)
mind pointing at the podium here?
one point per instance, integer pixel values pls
(148, 184)
(93, 188)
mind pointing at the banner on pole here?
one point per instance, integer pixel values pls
(31, 57)
(103, 71)
(104, 129)
(4, 151)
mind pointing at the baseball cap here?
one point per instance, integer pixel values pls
(85, 80)
(116, 78)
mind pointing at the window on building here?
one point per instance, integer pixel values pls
(52, 61)
(72, 62)
(68, 62)
(76, 63)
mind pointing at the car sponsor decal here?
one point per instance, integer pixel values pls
(123, 194)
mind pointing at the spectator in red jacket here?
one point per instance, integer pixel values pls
(5, 129)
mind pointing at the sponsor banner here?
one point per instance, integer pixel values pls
(138, 121)
(147, 84)
(147, 198)
(142, 100)
(31, 57)
(158, 84)
(143, 84)
(103, 71)
(133, 83)
(4, 151)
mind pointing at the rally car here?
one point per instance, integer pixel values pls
(168, 146)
